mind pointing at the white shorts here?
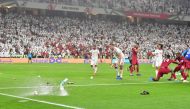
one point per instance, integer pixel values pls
(116, 61)
(94, 62)
(157, 63)
(121, 61)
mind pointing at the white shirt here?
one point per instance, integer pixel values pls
(158, 54)
(94, 54)
(118, 52)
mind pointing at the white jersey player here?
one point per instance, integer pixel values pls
(158, 57)
(120, 56)
(119, 61)
(94, 59)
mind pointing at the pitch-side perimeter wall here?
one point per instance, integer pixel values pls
(60, 60)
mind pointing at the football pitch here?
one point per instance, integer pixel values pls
(19, 83)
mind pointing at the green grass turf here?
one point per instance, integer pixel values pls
(171, 95)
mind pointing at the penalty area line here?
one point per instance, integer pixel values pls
(41, 101)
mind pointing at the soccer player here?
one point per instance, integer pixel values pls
(181, 60)
(130, 68)
(114, 60)
(186, 66)
(184, 70)
(158, 57)
(29, 57)
(134, 61)
(186, 54)
(130, 62)
(94, 60)
(119, 62)
(164, 68)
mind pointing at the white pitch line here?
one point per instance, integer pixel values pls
(32, 87)
(40, 101)
(88, 85)
(2, 88)
(118, 84)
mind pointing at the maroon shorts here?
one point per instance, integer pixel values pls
(178, 68)
(135, 62)
(163, 71)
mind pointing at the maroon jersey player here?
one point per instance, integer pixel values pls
(184, 70)
(134, 61)
(164, 68)
(181, 60)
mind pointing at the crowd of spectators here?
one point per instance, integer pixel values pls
(155, 6)
(47, 36)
